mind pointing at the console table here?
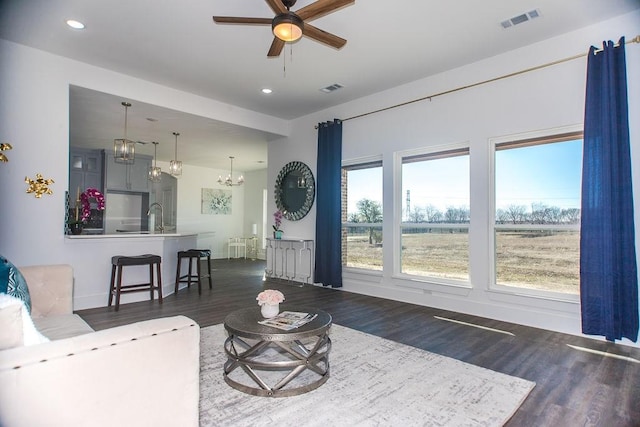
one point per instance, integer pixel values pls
(290, 258)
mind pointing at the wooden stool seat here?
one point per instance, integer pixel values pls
(193, 255)
(116, 288)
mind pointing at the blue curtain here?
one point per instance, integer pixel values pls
(608, 271)
(328, 269)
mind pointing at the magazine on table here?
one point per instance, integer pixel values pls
(288, 320)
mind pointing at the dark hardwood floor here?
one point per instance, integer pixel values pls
(573, 387)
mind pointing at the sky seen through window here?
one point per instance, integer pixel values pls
(549, 174)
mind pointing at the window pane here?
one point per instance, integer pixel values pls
(546, 260)
(438, 252)
(435, 190)
(363, 247)
(538, 189)
(362, 204)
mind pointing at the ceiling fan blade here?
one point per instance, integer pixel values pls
(321, 8)
(323, 36)
(276, 47)
(277, 6)
(238, 20)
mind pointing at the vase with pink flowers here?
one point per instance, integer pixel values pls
(269, 301)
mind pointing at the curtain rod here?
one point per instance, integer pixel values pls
(636, 39)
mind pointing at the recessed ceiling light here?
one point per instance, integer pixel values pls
(75, 24)
(266, 90)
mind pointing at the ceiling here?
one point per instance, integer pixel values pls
(177, 44)
(96, 118)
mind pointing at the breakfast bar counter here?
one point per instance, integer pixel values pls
(130, 234)
(91, 259)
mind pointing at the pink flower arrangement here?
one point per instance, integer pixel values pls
(270, 296)
(91, 193)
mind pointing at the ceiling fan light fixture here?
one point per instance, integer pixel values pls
(287, 27)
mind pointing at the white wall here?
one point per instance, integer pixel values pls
(34, 118)
(549, 98)
(256, 183)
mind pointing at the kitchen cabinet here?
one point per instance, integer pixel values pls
(85, 170)
(128, 177)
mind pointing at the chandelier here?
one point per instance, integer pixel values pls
(124, 150)
(228, 181)
(175, 166)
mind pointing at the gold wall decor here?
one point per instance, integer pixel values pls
(4, 147)
(39, 186)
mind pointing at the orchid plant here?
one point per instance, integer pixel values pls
(91, 193)
(84, 200)
(270, 297)
(277, 219)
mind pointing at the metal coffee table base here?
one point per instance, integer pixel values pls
(293, 358)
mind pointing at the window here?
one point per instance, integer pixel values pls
(537, 214)
(362, 215)
(434, 233)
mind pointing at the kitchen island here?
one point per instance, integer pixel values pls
(91, 260)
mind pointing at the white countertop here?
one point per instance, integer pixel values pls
(289, 239)
(129, 235)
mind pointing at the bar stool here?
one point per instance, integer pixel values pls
(118, 262)
(193, 255)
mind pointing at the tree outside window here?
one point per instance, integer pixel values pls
(362, 214)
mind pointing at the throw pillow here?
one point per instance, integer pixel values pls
(10, 325)
(18, 321)
(12, 282)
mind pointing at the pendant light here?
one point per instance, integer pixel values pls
(228, 181)
(124, 150)
(155, 173)
(175, 166)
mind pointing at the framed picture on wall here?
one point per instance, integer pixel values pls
(216, 202)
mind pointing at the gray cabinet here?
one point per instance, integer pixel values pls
(85, 170)
(125, 177)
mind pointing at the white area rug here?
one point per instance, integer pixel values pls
(373, 382)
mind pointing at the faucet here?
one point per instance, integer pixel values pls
(161, 228)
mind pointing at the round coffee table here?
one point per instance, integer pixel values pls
(270, 359)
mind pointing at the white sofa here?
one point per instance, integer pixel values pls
(142, 374)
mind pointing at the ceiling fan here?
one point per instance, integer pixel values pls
(288, 26)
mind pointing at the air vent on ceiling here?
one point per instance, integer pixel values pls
(520, 18)
(331, 88)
